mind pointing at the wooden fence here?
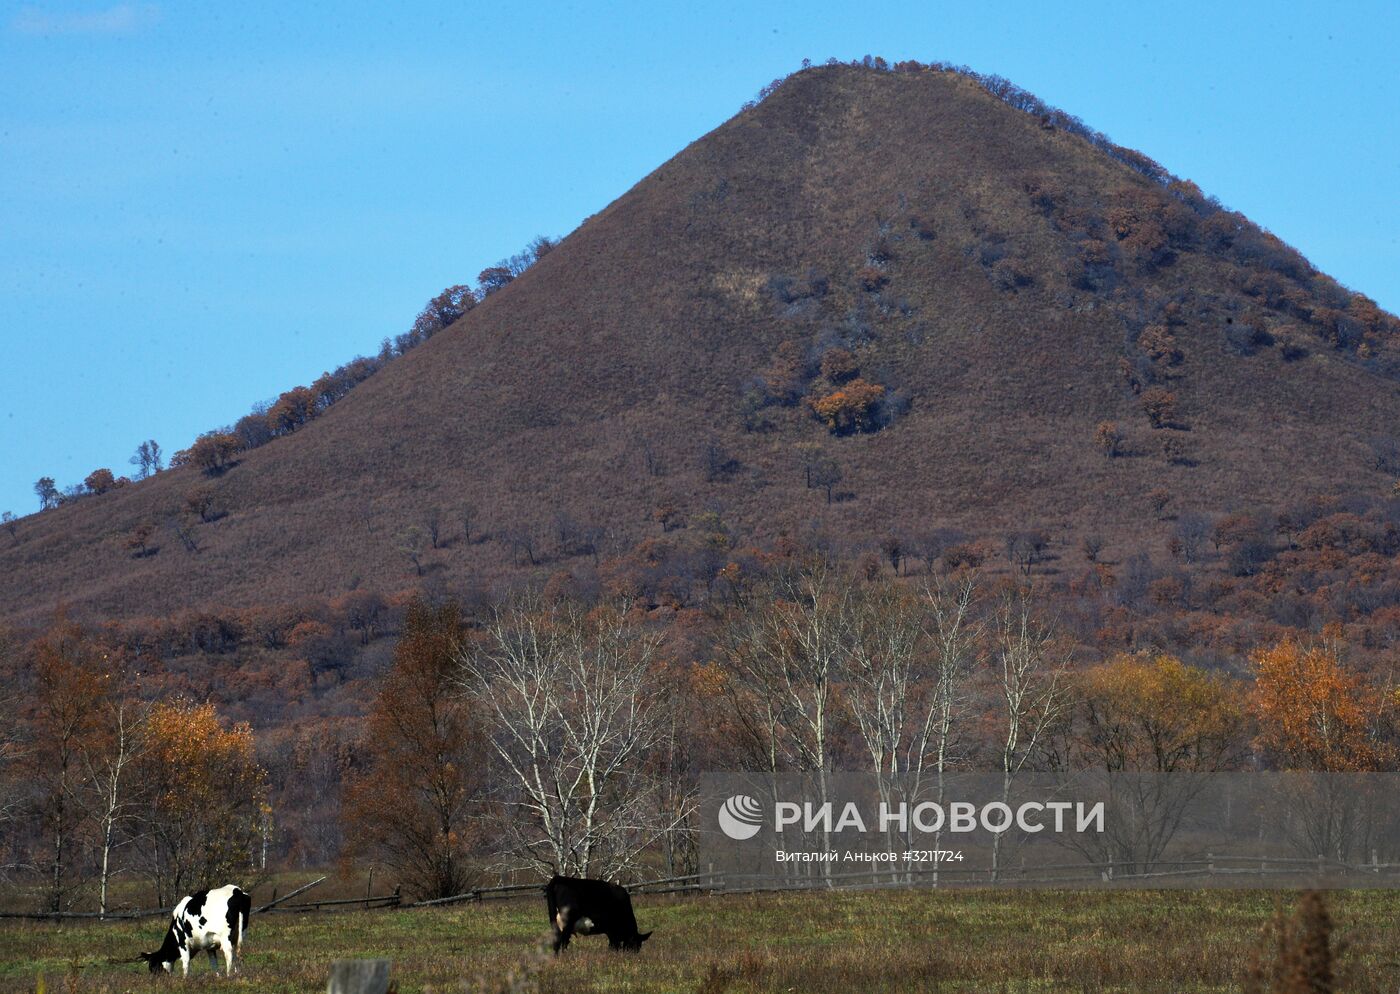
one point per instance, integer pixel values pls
(1212, 870)
(694, 883)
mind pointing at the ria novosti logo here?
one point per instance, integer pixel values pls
(740, 817)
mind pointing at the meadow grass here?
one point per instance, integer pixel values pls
(843, 942)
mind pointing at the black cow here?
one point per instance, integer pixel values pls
(587, 907)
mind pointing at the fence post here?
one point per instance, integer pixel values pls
(1210, 864)
(1320, 858)
(359, 976)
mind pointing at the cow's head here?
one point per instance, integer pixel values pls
(634, 944)
(156, 962)
(164, 958)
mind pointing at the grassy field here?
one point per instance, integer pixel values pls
(1162, 941)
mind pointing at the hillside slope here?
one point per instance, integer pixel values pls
(1006, 284)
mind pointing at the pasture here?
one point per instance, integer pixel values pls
(842, 942)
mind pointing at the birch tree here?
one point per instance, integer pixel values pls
(115, 798)
(909, 659)
(1029, 664)
(788, 654)
(574, 707)
(956, 637)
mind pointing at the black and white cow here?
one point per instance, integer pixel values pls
(590, 907)
(212, 920)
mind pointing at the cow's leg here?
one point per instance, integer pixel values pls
(563, 928)
(185, 961)
(227, 949)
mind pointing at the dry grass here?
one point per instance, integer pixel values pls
(646, 321)
(1168, 941)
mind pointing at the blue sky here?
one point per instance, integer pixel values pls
(202, 205)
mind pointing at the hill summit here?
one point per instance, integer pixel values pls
(911, 302)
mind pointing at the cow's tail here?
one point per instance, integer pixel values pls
(242, 907)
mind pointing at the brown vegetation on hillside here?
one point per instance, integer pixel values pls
(965, 309)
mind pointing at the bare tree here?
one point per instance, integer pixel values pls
(789, 655)
(1029, 664)
(885, 660)
(432, 521)
(148, 459)
(573, 707)
(1024, 549)
(412, 546)
(574, 539)
(47, 492)
(884, 690)
(524, 541)
(909, 662)
(11, 524)
(655, 463)
(187, 537)
(825, 474)
(715, 461)
(1192, 531)
(809, 454)
(116, 800)
(956, 637)
(468, 514)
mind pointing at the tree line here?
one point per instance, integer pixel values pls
(555, 735)
(550, 733)
(216, 450)
(97, 779)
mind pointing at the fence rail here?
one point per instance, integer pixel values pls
(723, 882)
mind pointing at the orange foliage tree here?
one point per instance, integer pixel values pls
(208, 797)
(64, 721)
(1159, 405)
(212, 452)
(410, 808)
(99, 481)
(1108, 438)
(852, 408)
(1157, 714)
(293, 409)
(1313, 713)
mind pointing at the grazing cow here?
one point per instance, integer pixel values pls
(588, 907)
(212, 920)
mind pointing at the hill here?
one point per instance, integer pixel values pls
(875, 304)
